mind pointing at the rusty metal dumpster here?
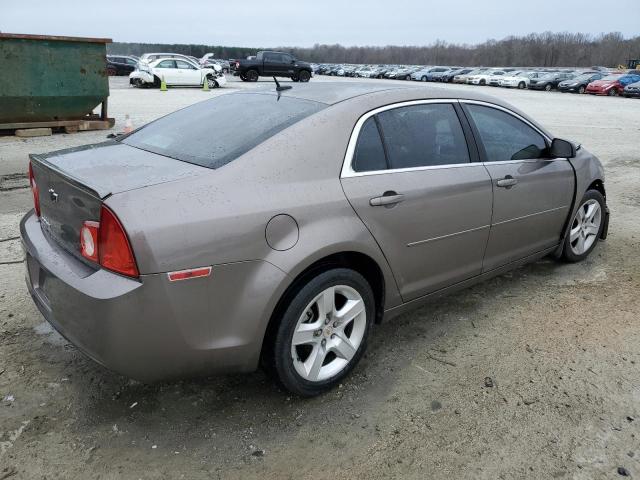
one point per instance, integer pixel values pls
(51, 81)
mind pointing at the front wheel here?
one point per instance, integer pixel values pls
(522, 85)
(581, 89)
(548, 87)
(586, 227)
(304, 76)
(323, 332)
(613, 92)
(211, 82)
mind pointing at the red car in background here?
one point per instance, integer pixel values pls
(612, 85)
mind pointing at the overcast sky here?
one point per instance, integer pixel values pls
(273, 23)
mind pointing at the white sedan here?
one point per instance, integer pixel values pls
(176, 72)
(519, 80)
(483, 78)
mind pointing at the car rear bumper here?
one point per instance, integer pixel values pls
(152, 329)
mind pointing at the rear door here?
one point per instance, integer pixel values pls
(408, 174)
(167, 69)
(272, 63)
(532, 194)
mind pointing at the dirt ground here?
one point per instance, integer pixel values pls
(560, 345)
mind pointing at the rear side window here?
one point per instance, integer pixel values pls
(217, 131)
(423, 136)
(369, 154)
(504, 136)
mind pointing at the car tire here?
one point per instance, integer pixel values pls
(483, 82)
(112, 72)
(613, 92)
(211, 82)
(304, 76)
(252, 75)
(522, 86)
(548, 87)
(424, 79)
(328, 350)
(585, 228)
(581, 89)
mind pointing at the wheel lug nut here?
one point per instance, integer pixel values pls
(317, 333)
(335, 324)
(324, 342)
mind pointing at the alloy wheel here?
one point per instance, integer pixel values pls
(328, 333)
(585, 227)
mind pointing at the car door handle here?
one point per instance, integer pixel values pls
(387, 199)
(507, 182)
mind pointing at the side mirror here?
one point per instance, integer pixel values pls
(562, 149)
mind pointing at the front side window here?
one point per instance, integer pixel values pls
(505, 137)
(423, 135)
(184, 65)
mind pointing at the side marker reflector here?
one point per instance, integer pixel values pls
(187, 274)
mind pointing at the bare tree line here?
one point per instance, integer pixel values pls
(546, 49)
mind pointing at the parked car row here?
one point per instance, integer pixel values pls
(597, 80)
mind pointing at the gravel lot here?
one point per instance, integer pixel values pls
(559, 343)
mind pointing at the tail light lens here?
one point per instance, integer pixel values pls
(106, 243)
(113, 245)
(34, 190)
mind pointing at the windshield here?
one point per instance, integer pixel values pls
(215, 132)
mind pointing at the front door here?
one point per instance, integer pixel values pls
(532, 194)
(410, 179)
(188, 74)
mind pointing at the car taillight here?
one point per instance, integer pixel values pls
(106, 243)
(34, 190)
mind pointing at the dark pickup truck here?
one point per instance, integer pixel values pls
(273, 64)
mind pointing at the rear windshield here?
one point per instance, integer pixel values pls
(215, 132)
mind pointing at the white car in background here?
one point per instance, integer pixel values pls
(518, 80)
(482, 78)
(494, 78)
(176, 71)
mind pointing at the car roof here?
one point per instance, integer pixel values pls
(331, 93)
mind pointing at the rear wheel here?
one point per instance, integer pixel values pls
(522, 85)
(424, 79)
(483, 82)
(112, 72)
(252, 75)
(586, 227)
(323, 332)
(304, 76)
(581, 89)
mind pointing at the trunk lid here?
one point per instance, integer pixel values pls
(72, 183)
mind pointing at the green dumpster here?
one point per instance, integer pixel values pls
(50, 81)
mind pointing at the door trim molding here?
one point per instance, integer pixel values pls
(530, 215)
(420, 242)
